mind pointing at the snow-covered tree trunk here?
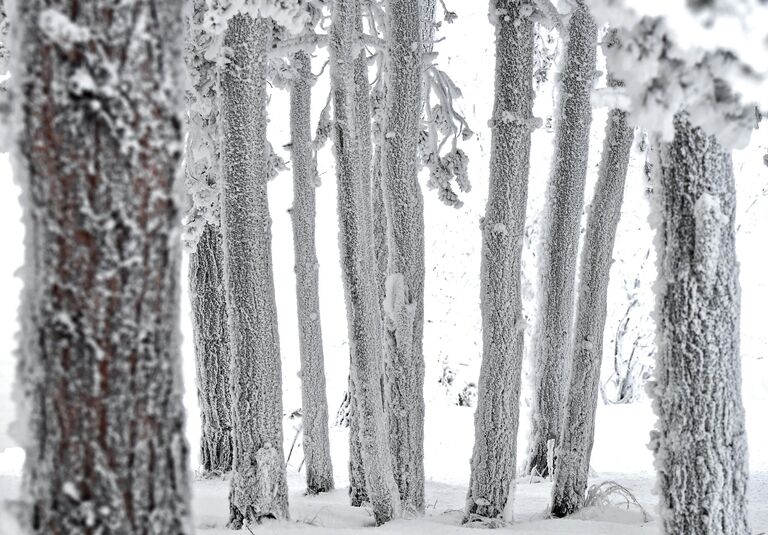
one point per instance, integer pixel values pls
(404, 293)
(317, 449)
(357, 491)
(496, 417)
(206, 269)
(701, 443)
(358, 266)
(578, 430)
(560, 239)
(259, 487)
(100, 138)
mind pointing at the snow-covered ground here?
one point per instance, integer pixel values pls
(452, 328)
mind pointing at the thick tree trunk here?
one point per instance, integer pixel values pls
(99, 363)
(578, 431)
(701, 443)
(358, 266)
(206, 267)
(404, 293)
(357, 492)
(497, 415)
(259, 487)
(317, 449)
(560, 239)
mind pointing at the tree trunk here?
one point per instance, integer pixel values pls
(206, 269)
(259, 487)
(560, 239)
(317, 449)
(578, 431)
(701, 443)
(99, 362)
(404, 293)
(358, 266)
(357, 492)
(497, 415)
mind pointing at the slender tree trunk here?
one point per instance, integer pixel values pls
(701, 442)
(404, 294)
(206, 269)
(357, 492)
(259, 487)
(99, 363)
(578, 431)
(560, 239)
(497, 414)
(358, 266)
(317, 449)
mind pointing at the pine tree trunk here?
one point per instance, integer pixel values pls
(357, 492)
(701, 443)
(560, 239)
(206, 269)
(99, 363)
(404, 293)
(497, 415)
(211, 337)
(358, 266)
(259, 487)
(317, 449)
(578, 431)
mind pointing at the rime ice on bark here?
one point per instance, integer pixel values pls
(314, 404)
(99, 362)
(203, 236)
(560, 238)
(496, 418)
(578, 429)
(404, 321)
(358, 266)
(259, 487)
(701, 444)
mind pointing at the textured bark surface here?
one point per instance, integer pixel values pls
(314, 403)
(206, 264)
(99, 363)
(497, 415)
(259, 487)
(404, 292)
(560, 238)
(358, 266)
(211, 337)
(578, 431)
(701, 443)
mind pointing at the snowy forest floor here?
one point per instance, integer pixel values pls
(619, 455)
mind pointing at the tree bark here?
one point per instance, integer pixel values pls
(560, 239)
(99, 362)
(578, 431)
(497, 414)
(259, 488)
(317, 449)
(358, 266)
(700, 443)
(404, 293)
(206, 268)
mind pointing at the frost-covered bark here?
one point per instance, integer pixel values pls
(203, 236)
(259, 487)
(358, 266)
(560, 238)
(404, 292)
(97, 154)
(578, 430)
(701, 443)
(496, 418)
(314, 403)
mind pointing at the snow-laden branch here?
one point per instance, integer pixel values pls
(292, 14)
